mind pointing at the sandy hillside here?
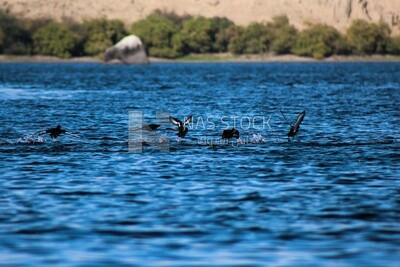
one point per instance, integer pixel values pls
(338, 13)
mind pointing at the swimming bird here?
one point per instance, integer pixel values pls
(227, 134)
(294, 129)
(146, 127)
(150, 127)
(55, 132)
(182, 130)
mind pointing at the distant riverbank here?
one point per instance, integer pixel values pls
(223, 57)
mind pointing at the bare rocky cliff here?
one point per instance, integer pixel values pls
(338, 13)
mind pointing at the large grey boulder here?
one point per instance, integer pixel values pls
(129, 50)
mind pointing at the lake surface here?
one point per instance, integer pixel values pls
(331, 197)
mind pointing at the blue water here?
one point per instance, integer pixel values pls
(331, 197)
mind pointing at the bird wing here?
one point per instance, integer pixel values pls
(73, 135)
(188, 120)
(175, 121)
(299, 119)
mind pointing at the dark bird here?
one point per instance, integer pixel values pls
(227, 134)
(182, 130)
(146, 127)
(150, 127)
(294, 129)
(55, 132)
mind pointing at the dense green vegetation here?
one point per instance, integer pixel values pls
(14, 36)
(319, 41)
(55, 39)
(368, 38)
(168, 35)
(158, 32)
(100, 34)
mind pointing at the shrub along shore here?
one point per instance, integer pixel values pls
(169, 36)
(210, 58)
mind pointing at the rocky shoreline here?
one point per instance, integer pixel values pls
(208, 58)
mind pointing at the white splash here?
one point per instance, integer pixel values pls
(257, 138)
(241, 141)
(30, 139)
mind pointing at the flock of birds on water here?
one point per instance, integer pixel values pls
(183, 130)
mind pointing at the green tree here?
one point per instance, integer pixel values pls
(237, 45)
(14, 37)
(101, 34)
(254, 39)
(33, 25)
(319, 41)
(172, 16)
(221, 33)
(196, 36)
(2, 37)
(382, 37)
(368, 38)
(284, 35)
(156, 33)
(258, 37)
(394, 45)
(203, 35)
(55, 39)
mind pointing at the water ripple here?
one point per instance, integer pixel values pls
(329, 197)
